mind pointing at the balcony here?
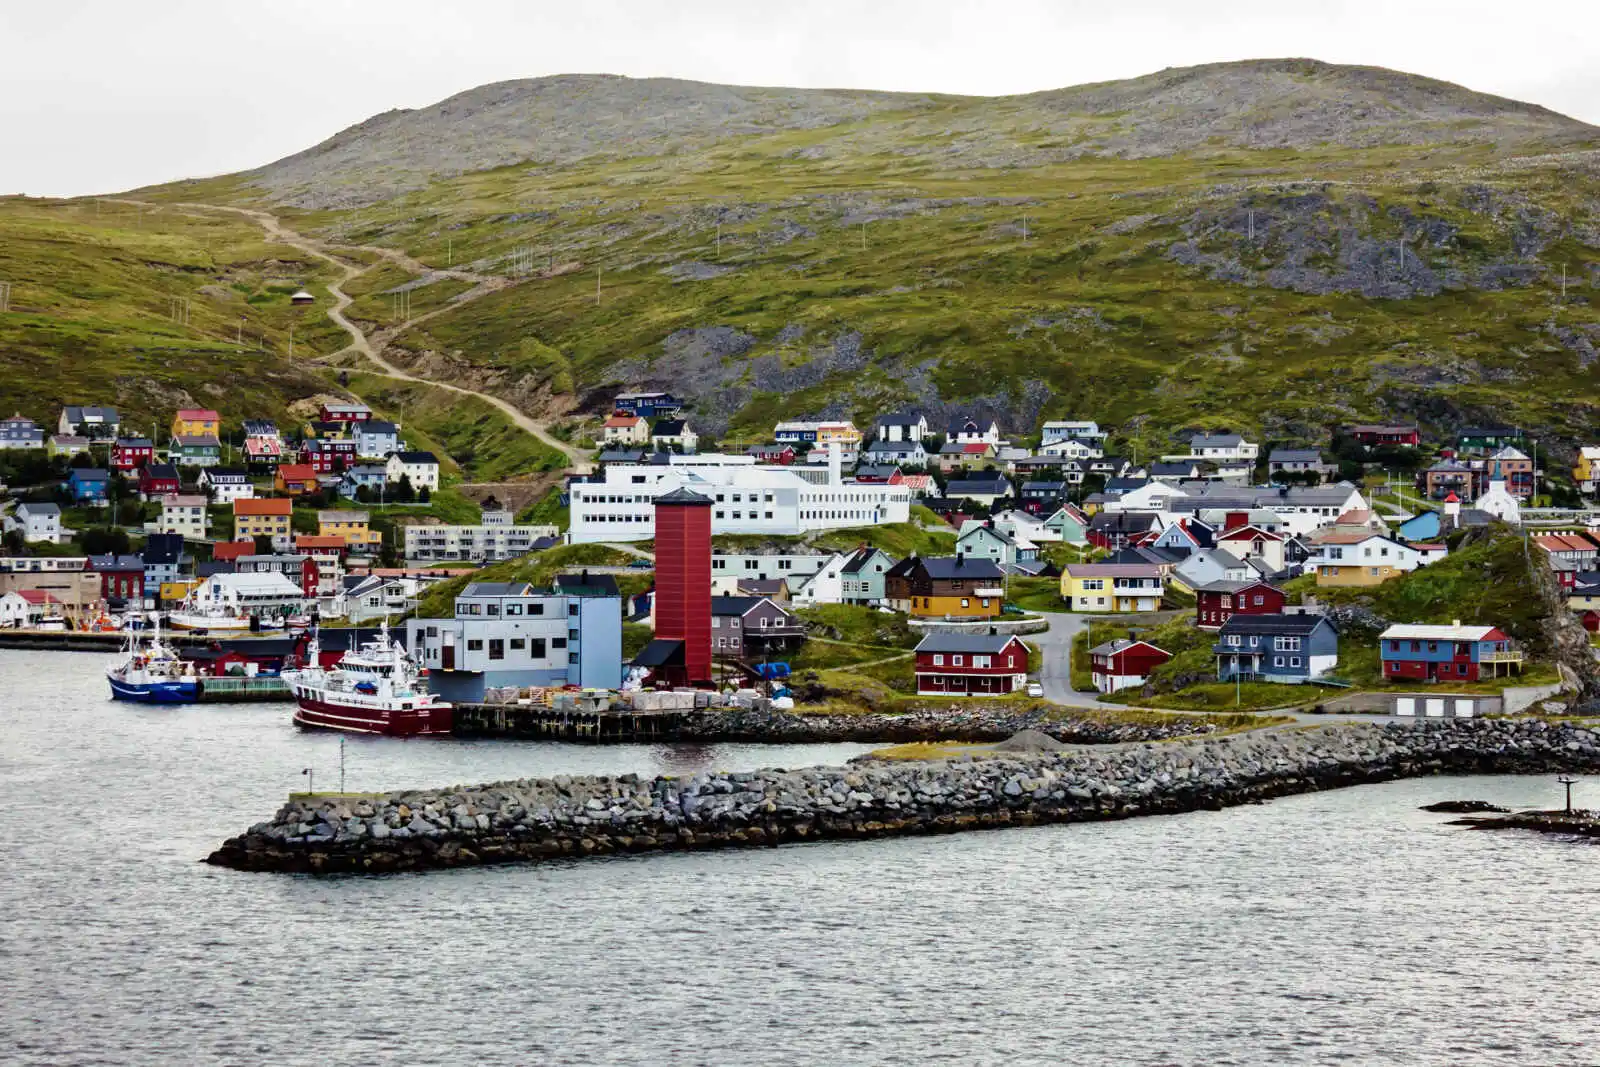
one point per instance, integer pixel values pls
(1500, 657)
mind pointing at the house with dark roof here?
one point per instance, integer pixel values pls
(745, 627)
(1220, 601)
(971, 665)
(946, 586)
(1299, 461)
(96, 423)
(985, 490)
(1276, 648)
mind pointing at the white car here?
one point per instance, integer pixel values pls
(1035, 689)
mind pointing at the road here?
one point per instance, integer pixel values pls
(372, 348)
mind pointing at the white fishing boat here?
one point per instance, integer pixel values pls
(376, 689)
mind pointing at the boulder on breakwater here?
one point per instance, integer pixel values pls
(974, 720)
(534, 819)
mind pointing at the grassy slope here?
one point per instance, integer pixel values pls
(956, 284)
(473, 433)
(90, 319)
(539, 569)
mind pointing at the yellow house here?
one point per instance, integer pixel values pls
(1353, 575)
(196, 422)
(938, 587)
(1360, 558)
(844, 434)
(1587, 471)
(1112, 587)
(267, 517)
(172, 592)
(350, 525)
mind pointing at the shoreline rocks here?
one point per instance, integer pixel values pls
(973, 722)
(576, 816)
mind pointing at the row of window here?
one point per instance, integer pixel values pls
(534, 647)
(958, 659)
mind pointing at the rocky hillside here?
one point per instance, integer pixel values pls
(1281, 245)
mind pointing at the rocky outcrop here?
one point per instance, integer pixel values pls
(564, 817)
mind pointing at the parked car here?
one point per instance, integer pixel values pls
(1035, 689)
(642, 565)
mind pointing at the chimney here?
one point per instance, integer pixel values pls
(835, 464)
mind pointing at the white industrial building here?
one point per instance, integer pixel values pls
(746, 499)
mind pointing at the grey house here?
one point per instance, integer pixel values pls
(752, 626)
(1276, 648)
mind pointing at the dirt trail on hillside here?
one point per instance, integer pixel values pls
(372, 346)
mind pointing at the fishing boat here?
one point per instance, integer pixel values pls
(189, 616)
(150, 672)
(375, 689)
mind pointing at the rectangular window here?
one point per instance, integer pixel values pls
(497, 648)
(536, 647)
(474, 645)
(957, 660)
(518, 644)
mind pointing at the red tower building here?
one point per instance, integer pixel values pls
(682, 646)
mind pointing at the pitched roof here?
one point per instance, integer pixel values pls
(978, 643)
(682, 495)
(1122, 644)
(377, 426)
(1216, 440)
(734, 605)
(161, 472)
(227, 551)
(198, 415)
(620, 421)
(899, 418)
(980, 486)
(416, 457)
(946, 567)
(1294, 455)
(297, 472)
(586, 584)
(1273, 624)
(477, 589)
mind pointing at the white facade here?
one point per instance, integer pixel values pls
(1498, 502)
(1063, 429)
(14, 611)
(728, 569)
(226, 488)
(497, 537)
(38, 522)
(746, 500)
(252, 593)
(423, 472)
(184, 515)
(1374, 551)
(1072, 448)
(826, 586)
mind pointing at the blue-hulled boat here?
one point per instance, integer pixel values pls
(150, 672)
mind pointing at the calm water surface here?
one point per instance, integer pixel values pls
(1341, 928)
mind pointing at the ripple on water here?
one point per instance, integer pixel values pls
(1337, 927)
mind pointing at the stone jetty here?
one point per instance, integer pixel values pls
(568, 817)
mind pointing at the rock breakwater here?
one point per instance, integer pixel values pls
(563, 817)
(975, 721)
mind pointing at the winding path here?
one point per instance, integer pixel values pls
(372, 347)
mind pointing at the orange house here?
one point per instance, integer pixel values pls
(196, 422)
(295, 478)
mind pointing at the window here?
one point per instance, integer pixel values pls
(957, 660)
(980, 661)
(572, 609)
(938, 659)
(474, 645)
(518, 644)
(1294, 661)
(536, 646)
(497, 648)
(1277, 661)
(965, 602)
(513, 609)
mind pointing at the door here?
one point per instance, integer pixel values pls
(1405, 705)
(1435, 707)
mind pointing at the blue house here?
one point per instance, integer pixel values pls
(89, 485)
(1276, 648)
(1420, 527)
(372, 475)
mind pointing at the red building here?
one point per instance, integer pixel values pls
(971, 664)
(1122, 663)
(345, 413)
(121, 577)
(131, 454)
(1216, 603)
(783, 455)
(230, 551)
(158, 480)
(329, 456)
(681, 651)
(1386, 435)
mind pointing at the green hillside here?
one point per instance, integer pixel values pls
(1276, 246)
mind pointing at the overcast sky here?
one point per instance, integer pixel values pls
(104, 95)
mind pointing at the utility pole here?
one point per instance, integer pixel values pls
(719, 238)
(1024, 229)
(1252, 225)
(1563, 283)
(238, 333)
(863, 237)
(598, 271)
(5, 296)
(449, 261)
(291, 340)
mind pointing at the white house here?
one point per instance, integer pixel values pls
(1072, 448)
(624, 429)
(903, 426)
(728, 569)
(183, 514)
(965, 430)
(497, 537)
(226, 486)
(38, 522)
(1362, 550)
(421, 467)
(1251, 542)
(1221, 446)
(15, 611)
(825, 586)
(1086, 430)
